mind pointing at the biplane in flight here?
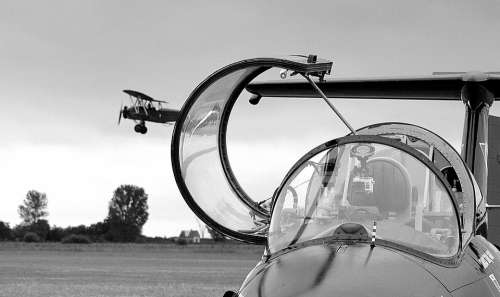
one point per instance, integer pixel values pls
(146, 109)
(390, 209)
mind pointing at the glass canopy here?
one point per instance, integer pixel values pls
(366, 183)
(466, 193)
(199, 154)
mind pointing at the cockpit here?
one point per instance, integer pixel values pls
(368, 184)
(399, 183)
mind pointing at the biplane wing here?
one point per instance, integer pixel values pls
(142, 96)
(146, 109)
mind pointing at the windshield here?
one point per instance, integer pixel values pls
(366, 184)
(445, 158)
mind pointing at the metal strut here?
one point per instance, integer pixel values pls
(315, 86)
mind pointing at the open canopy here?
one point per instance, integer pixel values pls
(199, 154)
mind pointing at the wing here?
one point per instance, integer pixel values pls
(142, 96)
(437, 87)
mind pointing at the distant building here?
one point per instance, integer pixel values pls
(191, 236)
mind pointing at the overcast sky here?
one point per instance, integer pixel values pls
(63, 65)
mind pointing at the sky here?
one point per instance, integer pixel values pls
(63, 66)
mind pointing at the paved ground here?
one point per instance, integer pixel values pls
(123, 270)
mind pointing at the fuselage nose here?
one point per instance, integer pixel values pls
(341, 270)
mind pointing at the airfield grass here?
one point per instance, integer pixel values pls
(105, 269)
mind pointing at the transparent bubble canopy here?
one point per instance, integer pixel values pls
(366, 181)
(199, 155)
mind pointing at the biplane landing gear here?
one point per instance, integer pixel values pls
(141, 128)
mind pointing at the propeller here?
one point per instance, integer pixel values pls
(120, 114)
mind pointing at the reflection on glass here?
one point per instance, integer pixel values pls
(366, 183)
(200, 162)
(445, 158)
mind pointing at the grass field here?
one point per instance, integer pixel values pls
(123, 269)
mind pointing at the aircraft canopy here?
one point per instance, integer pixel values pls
(199, 155)
(203, 172)
(344, 187)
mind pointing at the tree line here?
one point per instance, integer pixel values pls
(127, 214)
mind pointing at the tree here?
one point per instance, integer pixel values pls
(98, 231)
(41, 228)
(56, 234)
(34, 207)
(128, 212)
(216, 236)
(5, 231)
